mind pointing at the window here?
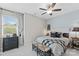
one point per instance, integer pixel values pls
(9, 26)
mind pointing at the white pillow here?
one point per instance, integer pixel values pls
(72, 34)
(77, 34)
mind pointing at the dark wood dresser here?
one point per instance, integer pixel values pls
(10, 43)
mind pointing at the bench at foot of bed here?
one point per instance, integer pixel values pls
(41, 50)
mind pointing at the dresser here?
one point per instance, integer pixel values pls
(10, 43)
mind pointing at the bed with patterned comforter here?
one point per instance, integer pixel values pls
(57, 45)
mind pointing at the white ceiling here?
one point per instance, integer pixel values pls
(33, 8)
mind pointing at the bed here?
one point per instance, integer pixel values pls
(57, 45)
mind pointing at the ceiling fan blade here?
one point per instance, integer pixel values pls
(57, 10)
(53, 4)
(43, 13)
(42, 9)
(48, 6)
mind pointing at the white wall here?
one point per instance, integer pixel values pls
(33, 28)
(64, 22)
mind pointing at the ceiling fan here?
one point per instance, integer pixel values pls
(50, 9)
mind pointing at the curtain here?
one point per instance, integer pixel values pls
(1, 41)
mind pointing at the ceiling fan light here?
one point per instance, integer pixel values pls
(49, 12)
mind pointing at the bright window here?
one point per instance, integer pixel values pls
(9, 26)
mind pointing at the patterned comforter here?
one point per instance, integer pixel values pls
(57, 45)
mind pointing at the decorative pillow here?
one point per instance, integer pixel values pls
(66, 35)
(56, 34)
